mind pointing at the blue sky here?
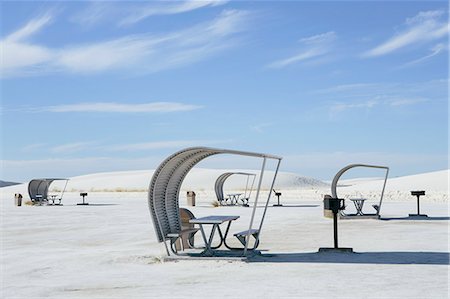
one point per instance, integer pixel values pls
(105, 86)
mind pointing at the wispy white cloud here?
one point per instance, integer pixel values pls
(435, 50)
(142, 53)
(17, 53)
(161, 145)
(156, 107)
(341, 107)
(33, 147)
(406, 101)
(260, 127)
(425, 27)
(71, 147)
(311, 47)
(30, 28)
(95, 12)
(139, 13)
(359, 97)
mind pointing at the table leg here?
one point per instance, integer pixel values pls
(204, 237)
(221, 238)
(208, 250)
(361, 204)
(225, 236)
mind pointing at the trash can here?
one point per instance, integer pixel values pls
(191, 198)
(331, 206)
(18, 199)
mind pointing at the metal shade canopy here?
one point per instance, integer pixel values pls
(41, 186)
(164, 189)
(348, 167)
(218, 186)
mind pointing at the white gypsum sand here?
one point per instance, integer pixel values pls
(109, 250)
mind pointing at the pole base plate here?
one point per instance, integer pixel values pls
(83, 204)
(336, 250)
(418, 215)
(278, 205)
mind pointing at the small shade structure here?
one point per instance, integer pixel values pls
(164, 189)
(41, 187)
(348, 167)
(218, 187)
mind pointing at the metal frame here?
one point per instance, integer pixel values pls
(220, 181)
(343, 170)
(36, 187)
(164, 189)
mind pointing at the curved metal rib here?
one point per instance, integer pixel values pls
(343, 170)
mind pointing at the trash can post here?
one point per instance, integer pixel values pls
(334, 205)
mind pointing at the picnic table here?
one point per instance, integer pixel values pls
(234, 197)
(39, 197)
(215, 221)
(359, 203)
(53, 198)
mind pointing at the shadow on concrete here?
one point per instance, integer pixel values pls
(101, 204)
(414, 218)
(387, 258)
(296, 206)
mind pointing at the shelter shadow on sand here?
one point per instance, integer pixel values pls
(390, 258)
(299, 206)
(102, 204)
(415, 218)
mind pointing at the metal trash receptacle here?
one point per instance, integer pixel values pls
(191, 198)
(18, 199)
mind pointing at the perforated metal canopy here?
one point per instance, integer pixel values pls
(164, 189)
(41, 186)
(218, 186)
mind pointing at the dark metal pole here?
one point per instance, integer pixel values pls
(335, 230)
(418, 205)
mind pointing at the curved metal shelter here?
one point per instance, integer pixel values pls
(348, 167)
(218, 186)
(164, 189)
(41, 187)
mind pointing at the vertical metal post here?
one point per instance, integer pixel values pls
(246, 186)
(335, 229)
(268, 200)
(418, 205)
(64, 190)
(247, 238)
(382, 191)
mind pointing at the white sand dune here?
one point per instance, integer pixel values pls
(435, 184)
(202, 181)
(430, 181)
(199, 179)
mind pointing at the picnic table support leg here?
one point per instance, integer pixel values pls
(221, 238)
(225, 236)
(204, 237)
(208, 250)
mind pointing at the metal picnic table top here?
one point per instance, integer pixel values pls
(213, 219)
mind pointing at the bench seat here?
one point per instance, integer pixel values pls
(243, 234)
(183, 232)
